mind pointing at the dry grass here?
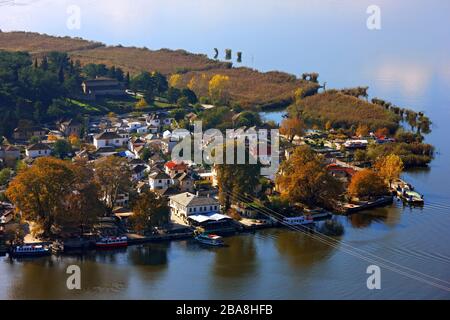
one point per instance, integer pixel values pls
(247, 87)
(37, 44)
(345, 111)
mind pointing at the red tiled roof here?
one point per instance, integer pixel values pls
(337, 168)
(172, 165)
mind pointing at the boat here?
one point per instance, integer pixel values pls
(318, 214)
(210, 239)
(356, 144)
(408, 194)
(350, 208)
(299, 221)
(30, 251)
(413, 197)
(112, 242)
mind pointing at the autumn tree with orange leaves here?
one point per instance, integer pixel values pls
(114, 177)
(292, 127)
(304, 179)
(367, 184)
(54, 192)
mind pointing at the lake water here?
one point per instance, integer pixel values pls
(406, 62)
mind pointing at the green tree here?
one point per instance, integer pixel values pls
(62, 148)
(183, 103)
(5, 175)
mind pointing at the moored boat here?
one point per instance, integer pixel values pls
(299, 221)
(112, 242)
(30, 251)
(210, 239)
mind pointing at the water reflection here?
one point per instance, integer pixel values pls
(390, 216)
(149, 255)
(301, 250)
(238, 259)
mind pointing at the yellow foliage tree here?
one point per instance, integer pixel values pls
(74, 140)
(292, 127)
(390, 167)
(298, 95)
(367, 183)
(141, 104)
(217, 88)
(362, 130)
(52, 138)
(175, 80)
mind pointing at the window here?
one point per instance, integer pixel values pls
(215, 207)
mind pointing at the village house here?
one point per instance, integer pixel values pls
(156, 159)
(183, 182)
(345, 174)
(109, 139)
(25, 133)
(159, 180)
(158, 120)
(38, 150)
(186, 205)
(123, 133)
(9, 155)
(70, 127)
(102, 87)
(134, 143)
(172, 168)
(138, 172)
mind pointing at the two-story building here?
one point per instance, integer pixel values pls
(38, 150)
(109, 139)
(9, 154)
(173, 168)
(159, 180)
(187, 204)
(70, 127)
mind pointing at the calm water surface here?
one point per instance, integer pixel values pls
(407, 62)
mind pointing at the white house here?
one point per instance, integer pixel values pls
(138, 172)
(187, 204)
(159, 180)
(109, 139)
(38, 150)
(142, 130)
(135, 125)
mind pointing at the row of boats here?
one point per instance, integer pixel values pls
(38, 250)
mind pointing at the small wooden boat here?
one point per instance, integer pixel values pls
(210, 239)
(112, 243)
(30, 251)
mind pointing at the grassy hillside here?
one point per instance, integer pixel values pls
(248, 87)
(344, 111)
